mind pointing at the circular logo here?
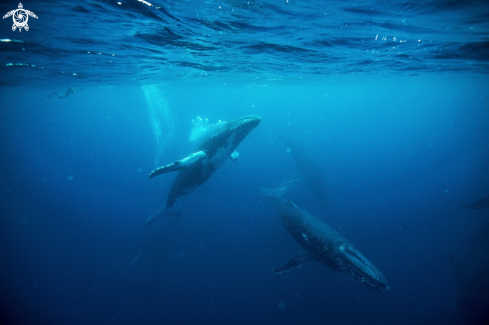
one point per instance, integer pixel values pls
(20, 17)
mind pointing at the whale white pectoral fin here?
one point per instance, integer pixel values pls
(163, 213)
(179, 164)
(295, 261)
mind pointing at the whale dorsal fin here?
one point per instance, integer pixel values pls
(179, 164)
(297, 260)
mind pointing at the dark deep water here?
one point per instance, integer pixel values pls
(402, 138)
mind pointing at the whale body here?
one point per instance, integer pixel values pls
(208, 155)
(309, 169)
(323, 244)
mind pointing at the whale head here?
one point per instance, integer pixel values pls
(348, 261)
(238, 129)
(244, 125)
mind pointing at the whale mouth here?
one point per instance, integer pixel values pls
(367, 275)
(353, 264)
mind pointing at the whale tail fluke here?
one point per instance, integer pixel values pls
(274, 193)
(163, 213)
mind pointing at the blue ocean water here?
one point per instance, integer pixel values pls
(389, 99)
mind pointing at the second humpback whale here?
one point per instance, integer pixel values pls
(309, 169)
(472, 275)
(323, 244)
(208, 155)
(66, 93)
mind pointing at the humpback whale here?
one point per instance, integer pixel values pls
(321, 243)
(309, 169)
(67, 92)
(208, 155)
(479, 204)
(472, 275)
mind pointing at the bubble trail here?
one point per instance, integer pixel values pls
(161, 119)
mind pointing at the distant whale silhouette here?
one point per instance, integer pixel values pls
(479, 204)
(309, 170)
(207, 157)
(321, 243)
(66, 93)
(472, 275)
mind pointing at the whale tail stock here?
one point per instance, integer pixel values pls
(163, 213)
(276, 193)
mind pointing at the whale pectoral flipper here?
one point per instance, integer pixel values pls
(163, 213)
(266, 192)
(479, 204)
(274, 193)
(297, 260)
(179, 164)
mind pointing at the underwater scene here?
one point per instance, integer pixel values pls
(244, 162)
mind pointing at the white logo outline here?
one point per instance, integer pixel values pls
(20, 17)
